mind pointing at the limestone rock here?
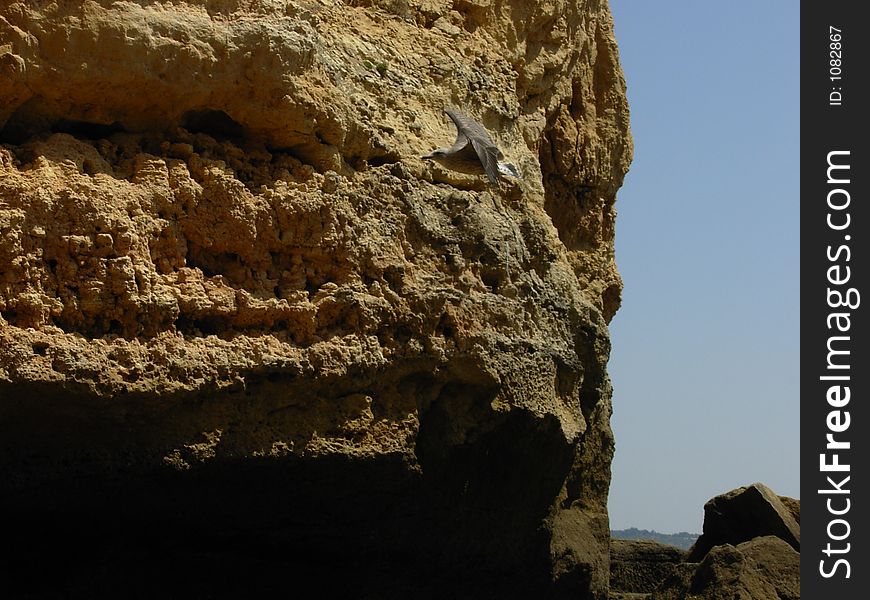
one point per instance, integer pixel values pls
(763, 568)
(244, 329)
(793, 505)
(743, 514)
(640, 566)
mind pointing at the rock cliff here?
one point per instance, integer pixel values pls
(248, 338)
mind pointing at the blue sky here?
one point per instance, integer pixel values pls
(705, 358)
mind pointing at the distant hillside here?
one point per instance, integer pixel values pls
(680, 540)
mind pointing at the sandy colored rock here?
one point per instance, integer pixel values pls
(743, 514)
(640, 566)
(763, 568)
(793, 505)
(236, 305)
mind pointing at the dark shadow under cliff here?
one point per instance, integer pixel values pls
(462, 526)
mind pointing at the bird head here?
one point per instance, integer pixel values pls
(435, 154)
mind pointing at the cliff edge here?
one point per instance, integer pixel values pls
(248, 338)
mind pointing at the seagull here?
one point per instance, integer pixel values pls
(473, 151)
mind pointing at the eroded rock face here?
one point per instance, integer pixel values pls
(640, 566)
(236, 308)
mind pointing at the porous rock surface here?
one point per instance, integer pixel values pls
(248, 338)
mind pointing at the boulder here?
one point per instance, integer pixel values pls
(743, 514)
(763, 568)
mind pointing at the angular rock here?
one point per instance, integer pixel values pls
(248, 338)
(640, 566)
(763, 568)
(743, 514)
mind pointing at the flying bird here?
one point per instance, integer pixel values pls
(473, 152)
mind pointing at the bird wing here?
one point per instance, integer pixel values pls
(469, 130)
(468, 127)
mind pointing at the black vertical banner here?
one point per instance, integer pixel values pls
(835, 298)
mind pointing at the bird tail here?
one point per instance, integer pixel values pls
(509, 170)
